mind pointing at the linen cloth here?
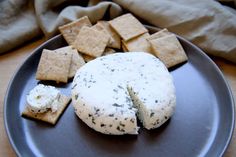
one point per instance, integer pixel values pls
(206, 23)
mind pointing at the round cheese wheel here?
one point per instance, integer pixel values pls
(109, 92)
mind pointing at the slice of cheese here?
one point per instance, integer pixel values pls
(41, 98)
(108, 92)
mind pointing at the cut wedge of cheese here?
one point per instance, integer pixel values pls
(109, 91)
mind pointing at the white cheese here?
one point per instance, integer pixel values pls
(41, 98)
(103, 90)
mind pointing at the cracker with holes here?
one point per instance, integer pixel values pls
(77, 60)
(168, 50)
(71, 30)
(116, 41)
(139, 44)
(54, 66)
(45, 103)
(91, 42)
(127, 26)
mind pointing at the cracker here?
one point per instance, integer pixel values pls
(99, 27)
(71, 30)
(159, 34)
(127, 26)
(108, 51)
(64, 49)
(123, 46)
(116, 41)
(91, 42)
(168, 50)
(88, 58)
(138, 44)
(49, 116)
(54, 66)
(76, 61)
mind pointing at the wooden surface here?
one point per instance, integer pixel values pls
(9, 63)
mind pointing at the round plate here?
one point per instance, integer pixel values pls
(202, 124)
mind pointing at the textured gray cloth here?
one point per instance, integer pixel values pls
(207, 24)
(22, 20)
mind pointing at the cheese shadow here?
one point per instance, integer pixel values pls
(154, 133)
(124, 145)
(108, 144)
(177, 66)
(53, 83)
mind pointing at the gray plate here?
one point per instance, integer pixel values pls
(201, 126)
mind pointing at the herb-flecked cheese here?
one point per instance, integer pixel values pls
(108, 93)
(41, 98)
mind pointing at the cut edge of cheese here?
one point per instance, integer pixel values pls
(151, 118)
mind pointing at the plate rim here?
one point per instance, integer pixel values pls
(219, 72)
(10, 139)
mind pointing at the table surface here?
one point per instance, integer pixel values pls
(10, 61)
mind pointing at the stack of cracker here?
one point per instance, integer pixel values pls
(91, 41)
(59, 65)
(132, 32)
(124, 32)
(55, 65)
(167, 48)
(135, 37)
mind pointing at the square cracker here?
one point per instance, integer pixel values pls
(123, 46)
(127, 26)
(159, 34)
(100, 28)
(91, 42)
(139, 44)
(168, 50)
(108, 51)
(116, 41)
(77, 60)
(71, 30)
(54, 66)
(49, 116)
(88, 58)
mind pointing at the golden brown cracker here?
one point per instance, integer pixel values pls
(108, 51)
(54, 66)
(159, 34)
(88, 58)
(71, 30)
(76, 61)
(168, 50)
(116, 41)
(123, 46)
(49, 116)
(138, 44)
(127, 26)
(91, 42)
